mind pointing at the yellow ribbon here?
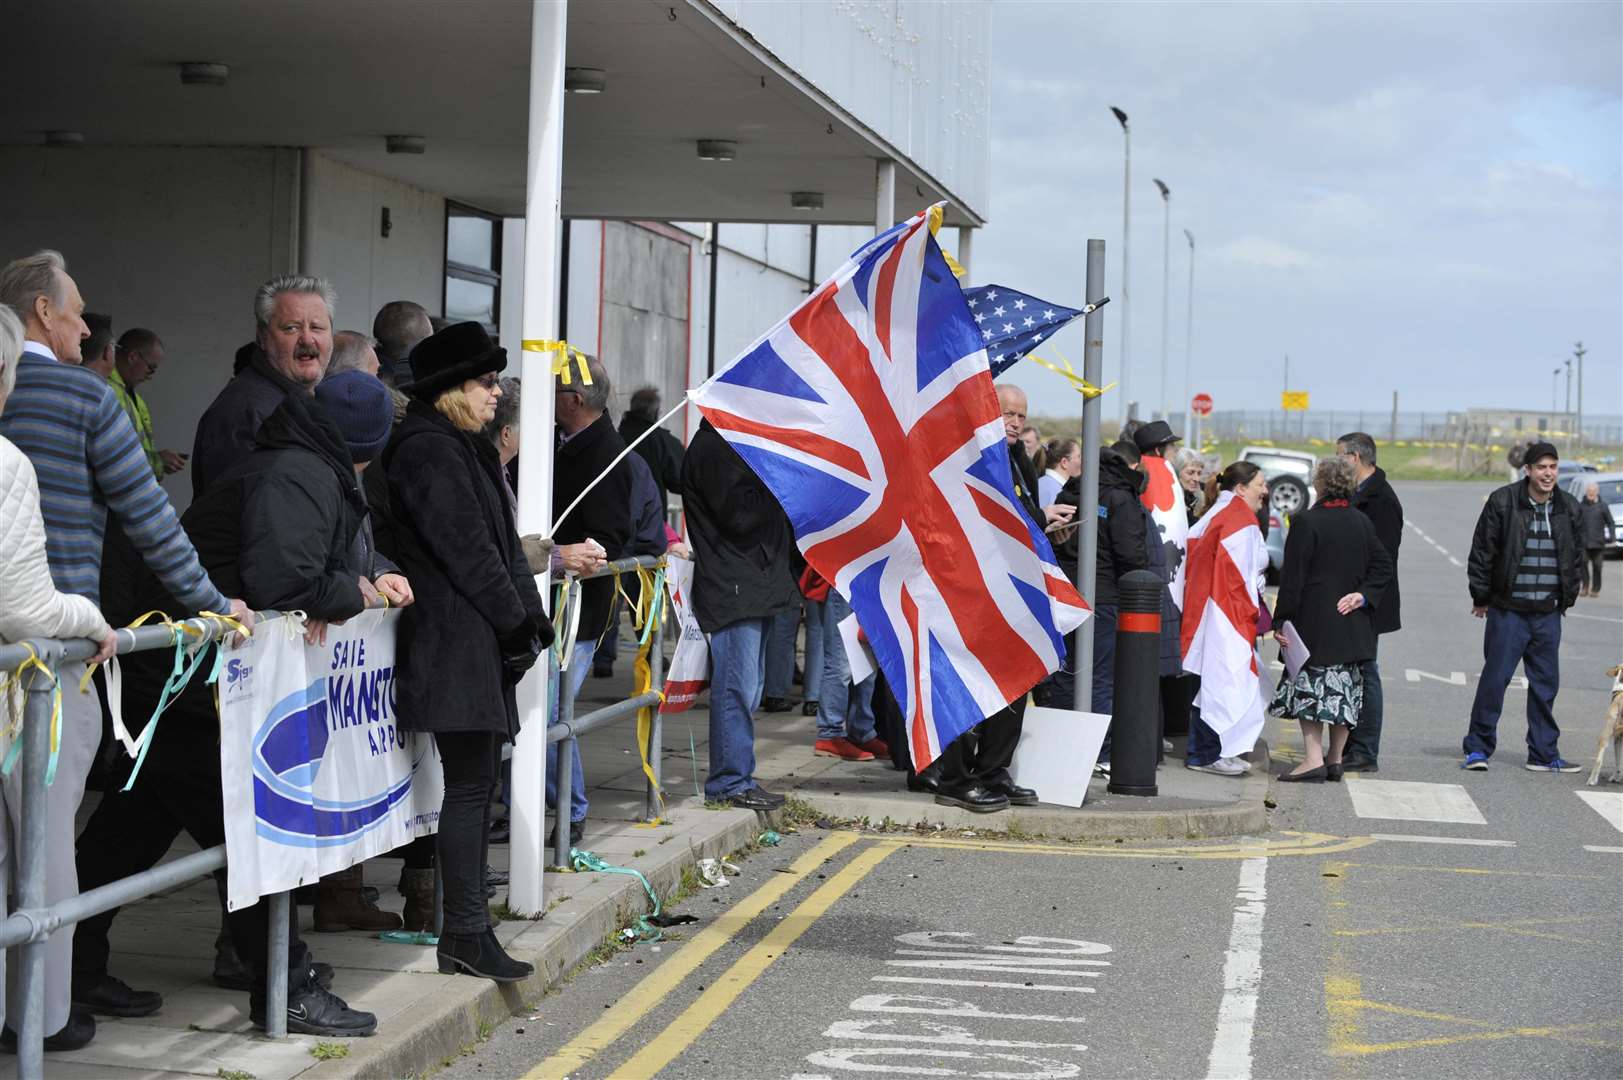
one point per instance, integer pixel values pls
(935, 229)
(1081, 385)
(14, 680)
(646, 618)
(560, 364)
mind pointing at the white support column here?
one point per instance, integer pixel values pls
(544, 173)
(966, 246)
(884, 196)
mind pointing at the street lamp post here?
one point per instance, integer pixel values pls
(1189, 342)
(1166, 292)
(1578, 350)
(1555, 383)
(1126, 231)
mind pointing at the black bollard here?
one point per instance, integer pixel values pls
(1135, 725)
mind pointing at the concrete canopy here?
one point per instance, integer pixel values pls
(339, 77)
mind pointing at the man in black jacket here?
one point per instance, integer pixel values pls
(1380, 504)
(741, 578)
(281, 529)
(1524, 573)
(661, 450)
(586, 447)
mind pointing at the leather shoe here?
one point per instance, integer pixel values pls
(76, 1033)
(112, 996)
(756, 798)
(808, 708)
(923, 782)
(1312, 776)
(1017, 795)
(1359, 763)
(977, 800)
(776, 704)
(1332, 772)
(501, 830)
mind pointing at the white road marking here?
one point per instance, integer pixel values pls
(1405, 800)
(1604, 850)
(1453, 678)
(1242, 976)
(845, 1058)
(935, 1034)
(1608, 804)
(1597, 618)
(1401, 838)
(996, 985)
(937, 1006)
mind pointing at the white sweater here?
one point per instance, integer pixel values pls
(30, 605)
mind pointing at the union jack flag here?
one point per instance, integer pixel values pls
(869, 412)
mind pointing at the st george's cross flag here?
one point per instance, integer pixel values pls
(869, 412)
(1227, 557)
(1163, 498)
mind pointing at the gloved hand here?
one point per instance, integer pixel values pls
(520, 649)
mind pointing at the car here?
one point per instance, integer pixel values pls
(1289, 474)
(1611, 493)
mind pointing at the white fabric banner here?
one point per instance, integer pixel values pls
(689, 672)
(317, 776)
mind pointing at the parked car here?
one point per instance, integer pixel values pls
(1611, 493)
(1290, 477)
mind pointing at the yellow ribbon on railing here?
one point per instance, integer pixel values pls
(560, 364)
(14, 680)
(1081, 385)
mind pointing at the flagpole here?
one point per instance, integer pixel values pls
(1087, 559)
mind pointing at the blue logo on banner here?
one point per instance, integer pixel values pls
(288, 749)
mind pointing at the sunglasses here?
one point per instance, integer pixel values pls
(488, 381)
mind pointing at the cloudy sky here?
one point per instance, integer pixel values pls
(1425, 198)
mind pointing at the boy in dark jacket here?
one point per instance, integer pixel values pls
(1378, 502)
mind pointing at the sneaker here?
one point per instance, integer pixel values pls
(876, 746)
(1558, 765)
(1222, 767)
(1477, 761)
(808, 708)
(112, 996)
(840, 748)
(1102, 768)
(315, 1011)
(755, 797)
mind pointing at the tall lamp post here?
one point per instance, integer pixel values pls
(1126, 230)
(1555, 383)
(1166, 292)
(1578, 350)
(1189, 342)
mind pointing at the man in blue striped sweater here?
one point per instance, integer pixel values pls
(89, 461)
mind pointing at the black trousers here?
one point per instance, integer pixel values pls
(980, 756)
(1592, 560)
(472, 762)
(178, 789)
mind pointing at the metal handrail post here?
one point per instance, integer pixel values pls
(281, 910)
(564, 785)
(36, 752)
(655, 750)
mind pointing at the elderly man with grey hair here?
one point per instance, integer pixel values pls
(353, 351)
(293, 315)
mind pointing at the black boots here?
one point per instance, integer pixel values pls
(482, 955)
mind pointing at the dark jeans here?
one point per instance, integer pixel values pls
(472, 761)
(1593, 557)
(981, 755)
(1534, 639)
(1104, 668)
(178, 789)
(1204, 747)
(1365, 739)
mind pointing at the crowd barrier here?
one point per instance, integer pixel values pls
(35, 663)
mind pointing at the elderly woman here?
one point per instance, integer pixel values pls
(1190, 467)
(477, 625)
(1335, 571)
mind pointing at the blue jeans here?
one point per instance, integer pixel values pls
(1365, 739)
(844, 710)
(814, 649)
(1204, 747)
(1535, 640)
(782, 629)
(579, 664)
(1104, 668)
(737, 666)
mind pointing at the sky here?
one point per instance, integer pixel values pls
(1425, 198)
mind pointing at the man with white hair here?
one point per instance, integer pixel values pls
(353, 351)
(294, 317)
(71, 427)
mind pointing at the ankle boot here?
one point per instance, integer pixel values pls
(482, 955)
(340, 905)
(417, 886)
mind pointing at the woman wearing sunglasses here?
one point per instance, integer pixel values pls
(477, 624)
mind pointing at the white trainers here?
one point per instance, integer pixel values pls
(1225, 766)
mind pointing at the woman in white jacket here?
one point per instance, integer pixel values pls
(31, 607)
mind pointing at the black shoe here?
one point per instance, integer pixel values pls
(808, 708)
(112, 996)
(76, 1033)
(1312, 776)
(316, 1011)
(494, 876)
(923, 782)
(976, 800)
(577, 833)
(1017, 795)
(481, 955)
(501, 831)
(1332, 773)
(776, 704)
(321, 974)
(1359, 763)
(755, 798)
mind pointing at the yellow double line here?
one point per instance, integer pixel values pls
(659, 984)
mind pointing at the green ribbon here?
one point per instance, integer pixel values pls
(581, 859)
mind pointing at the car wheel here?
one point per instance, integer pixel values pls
(1287, 495)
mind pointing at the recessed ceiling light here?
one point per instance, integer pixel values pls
(806, 200)
(585, 80)
(203, 73)
(717, 149)
(64, 138)
(405, 144)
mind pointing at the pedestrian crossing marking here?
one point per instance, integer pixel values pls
(1404, 800)
(1608, 804)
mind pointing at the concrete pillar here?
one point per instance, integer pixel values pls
(884, 196)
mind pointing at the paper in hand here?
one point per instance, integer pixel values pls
(1294, 652)
(856, 652)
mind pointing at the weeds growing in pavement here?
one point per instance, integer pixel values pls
(234, 1074)
(329, 1051)
(639, 853)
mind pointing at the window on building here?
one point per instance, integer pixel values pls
(473, 265)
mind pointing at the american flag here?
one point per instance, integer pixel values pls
(869, 412)
(1012, 323)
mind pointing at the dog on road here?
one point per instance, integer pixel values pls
(1612, 733)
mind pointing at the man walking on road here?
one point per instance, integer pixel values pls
(1524, 573)
(1375, 497)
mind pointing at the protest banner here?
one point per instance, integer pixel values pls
(689, 672)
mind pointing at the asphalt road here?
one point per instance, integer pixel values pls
(1423, 921)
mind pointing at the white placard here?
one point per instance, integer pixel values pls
(857, 653)
(1057, 752)
(1294, 652)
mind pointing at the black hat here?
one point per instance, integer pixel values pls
(360, 405)
(452, 356)
(1153, 434)
(1539, 450)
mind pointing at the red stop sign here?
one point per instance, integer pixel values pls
(1202, 404)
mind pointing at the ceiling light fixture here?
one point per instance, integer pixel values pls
(405, 144)
(203, 73)
(717, 149)
(806, 200)
(64, 138)
(585, 80)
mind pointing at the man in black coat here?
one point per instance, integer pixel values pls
(742, 577)
(1380, 504)
(1525, 571)
(661, 450)
(280, 528)
(587, 445)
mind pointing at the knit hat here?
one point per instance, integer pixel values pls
(460, 352)
(361, 407)
(1539, 450)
